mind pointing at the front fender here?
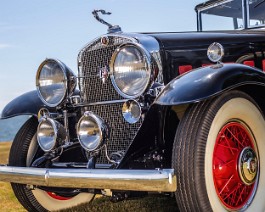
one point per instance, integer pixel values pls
(203, 83)
(26, 104)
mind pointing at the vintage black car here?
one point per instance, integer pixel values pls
(178, 113)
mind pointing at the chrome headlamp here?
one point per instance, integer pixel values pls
(49, 134)
(91, 131)
(130, 70)
(55, 82)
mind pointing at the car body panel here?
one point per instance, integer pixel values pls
(27, 104)
(203, 83)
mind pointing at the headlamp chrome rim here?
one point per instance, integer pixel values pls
(103, 130)
(69, 81)
(148, 61)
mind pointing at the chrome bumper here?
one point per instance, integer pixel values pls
(163, 180)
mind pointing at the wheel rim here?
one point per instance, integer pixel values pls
(235, 166)
(58, 197)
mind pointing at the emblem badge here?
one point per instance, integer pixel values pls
(105, 40)
(104, 74)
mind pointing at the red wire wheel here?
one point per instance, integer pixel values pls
(235, 166)
(58, 197)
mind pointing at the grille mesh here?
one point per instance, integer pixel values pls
(93, 57)
(121, 134)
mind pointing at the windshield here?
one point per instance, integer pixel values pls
(230, 14)
(256, 13)
(226, 16)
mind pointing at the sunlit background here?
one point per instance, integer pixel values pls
(32, 30)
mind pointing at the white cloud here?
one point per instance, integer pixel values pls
(4, 45)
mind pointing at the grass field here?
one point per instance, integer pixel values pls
(9, 203)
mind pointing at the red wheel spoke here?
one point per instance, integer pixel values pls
(226, 184)
(231, 193)
(240, 196)
(229, 147)
(228, 163)
(239, 142)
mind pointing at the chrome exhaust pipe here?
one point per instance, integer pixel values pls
(163, 180)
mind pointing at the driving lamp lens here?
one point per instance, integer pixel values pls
(130, 71)
(90, 131)
(46, 135)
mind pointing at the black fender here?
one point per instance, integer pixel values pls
(26, 104)
(203, 83)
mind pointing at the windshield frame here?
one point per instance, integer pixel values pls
(214, 3)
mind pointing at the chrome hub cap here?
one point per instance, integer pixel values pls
(248, 166)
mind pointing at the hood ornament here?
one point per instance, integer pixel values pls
(112, 28)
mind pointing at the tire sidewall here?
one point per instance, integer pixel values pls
(244, 110)
(52, 204)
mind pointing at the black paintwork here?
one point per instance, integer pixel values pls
(203, 83)
(26, 104)
(190, 48)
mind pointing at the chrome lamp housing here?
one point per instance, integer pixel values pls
(92, 131)
(50, 133)
(55, 82)
(131, 70)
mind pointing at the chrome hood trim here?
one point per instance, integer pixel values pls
(163, 180)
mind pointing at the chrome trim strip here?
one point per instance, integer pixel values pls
(100, 103)
(135, 180)
(214, 4)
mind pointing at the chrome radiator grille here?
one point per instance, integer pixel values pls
(93, 57)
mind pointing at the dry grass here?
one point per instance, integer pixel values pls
(9, 203)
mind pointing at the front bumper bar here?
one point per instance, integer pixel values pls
(163, 180)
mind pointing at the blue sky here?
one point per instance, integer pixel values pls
(32, 30)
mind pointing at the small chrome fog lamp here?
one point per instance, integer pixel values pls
(91, 131)
(131, 111)
(49, 134)
(215, 52)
